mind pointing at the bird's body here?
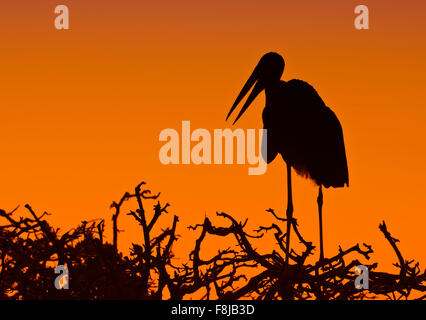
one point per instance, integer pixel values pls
(305, 132)
(301, 128)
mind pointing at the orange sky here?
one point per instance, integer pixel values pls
(82, 109)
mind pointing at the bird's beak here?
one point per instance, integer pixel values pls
(258, 87)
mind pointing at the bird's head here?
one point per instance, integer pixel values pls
(267, 72)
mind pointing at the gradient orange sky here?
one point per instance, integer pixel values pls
(82, 109)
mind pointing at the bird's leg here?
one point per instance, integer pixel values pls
(289, 210)
(320, 202)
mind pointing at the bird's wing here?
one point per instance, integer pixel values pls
(334, 149)
(319, 135)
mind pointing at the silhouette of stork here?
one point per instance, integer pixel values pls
(301, 128)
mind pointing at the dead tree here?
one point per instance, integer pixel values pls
(30, 249)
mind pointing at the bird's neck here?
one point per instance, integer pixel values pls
(271, 88)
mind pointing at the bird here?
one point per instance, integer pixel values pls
(301, 128)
